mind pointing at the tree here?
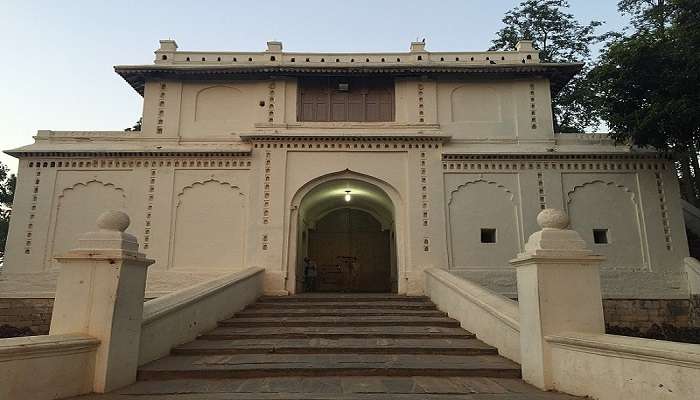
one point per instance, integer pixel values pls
(560, 38)
(136, 127)
(647, 83)
(7, 194)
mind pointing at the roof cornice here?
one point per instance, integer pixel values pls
(137, 75)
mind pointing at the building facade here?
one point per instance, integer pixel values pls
(374, 166)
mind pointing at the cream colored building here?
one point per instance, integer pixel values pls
(247, 159)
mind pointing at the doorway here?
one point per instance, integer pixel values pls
(345, 228)
(351, 253)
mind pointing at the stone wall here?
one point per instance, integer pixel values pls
(34, 313)
(643, 313)
(695, 310)
(626, 313)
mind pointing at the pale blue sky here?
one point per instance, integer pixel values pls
(56, 71)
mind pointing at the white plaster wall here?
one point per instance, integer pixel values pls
(209, 220)
(497, 110)
(213, 110)
(466, 110)
(636, 201)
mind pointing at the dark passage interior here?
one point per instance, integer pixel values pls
(351, 251)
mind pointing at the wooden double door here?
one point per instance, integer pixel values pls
(352, 253)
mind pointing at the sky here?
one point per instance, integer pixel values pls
(57, 74)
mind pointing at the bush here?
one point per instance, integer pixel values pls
(663, 332)
(8, 331)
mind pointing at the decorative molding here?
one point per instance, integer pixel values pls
(32, 214)
(266, 189)
(32, 155)
(548, 157)
(511, 196)
(149, 209)
(86, 183)
(364, 143)
(425, 200)
(271, 103)
(162, 103)
(569, 194)
(594, 164)
(421, 104)
(533, 107)
(202, 162)
(204, 182)
(666, 222)
(541, 197)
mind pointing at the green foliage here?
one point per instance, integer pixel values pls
(559, 37)
(136, 127)
(648, 82)
(7, 193)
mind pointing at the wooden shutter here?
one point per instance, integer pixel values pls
(367, 100)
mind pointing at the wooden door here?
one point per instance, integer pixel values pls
(352, 253)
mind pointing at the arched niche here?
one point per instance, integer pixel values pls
(210, 227)
(219, 103)
(77, 210)
(475, 102)
(610, 207)
(482, 205)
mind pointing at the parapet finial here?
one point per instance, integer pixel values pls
(552, 218)
(113, 220)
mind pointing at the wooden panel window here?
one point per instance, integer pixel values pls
(337, 99)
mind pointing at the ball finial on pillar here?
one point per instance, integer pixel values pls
(113, 220)
(552, 218)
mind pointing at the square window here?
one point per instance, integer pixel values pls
(600, 236)
(488, 235)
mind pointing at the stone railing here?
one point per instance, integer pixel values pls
(47, 366)
(100, 329)
(179, 317)
(490, 316)
(620, 367)
(559, 324)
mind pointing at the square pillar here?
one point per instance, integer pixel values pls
(100, 292)
(558, 291)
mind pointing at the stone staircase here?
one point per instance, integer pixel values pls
(334, 346)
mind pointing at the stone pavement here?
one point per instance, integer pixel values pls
(333, 346)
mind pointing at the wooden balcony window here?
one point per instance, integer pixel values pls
(338, 99)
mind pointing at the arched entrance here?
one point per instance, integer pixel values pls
(346, 227)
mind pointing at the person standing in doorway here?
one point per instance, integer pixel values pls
(310, 274)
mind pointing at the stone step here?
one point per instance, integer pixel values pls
(344, 297)
(335, 312)
(398, 305)
(317, 365)
(373, 320)
(343, 345)
(333, 388)
(336, 332)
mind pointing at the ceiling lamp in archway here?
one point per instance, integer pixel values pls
(347, 196)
